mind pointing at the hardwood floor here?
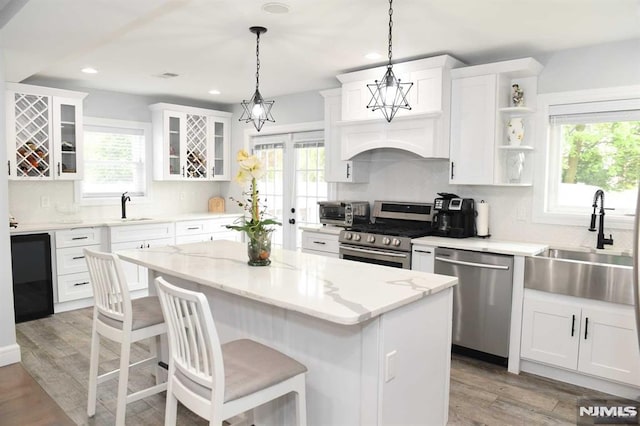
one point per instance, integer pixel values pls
(55, 351)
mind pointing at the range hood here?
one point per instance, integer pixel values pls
(423, 130)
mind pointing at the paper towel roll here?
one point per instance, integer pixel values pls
(482, 219)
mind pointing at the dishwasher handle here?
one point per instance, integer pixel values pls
(474, 264)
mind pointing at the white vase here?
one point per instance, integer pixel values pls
(515, 131)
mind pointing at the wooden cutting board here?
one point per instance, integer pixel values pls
(216, 205)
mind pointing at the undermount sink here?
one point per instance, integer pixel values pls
(599, 276)
(135, 219)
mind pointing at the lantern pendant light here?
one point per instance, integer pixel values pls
(257, 110)
(389, 94)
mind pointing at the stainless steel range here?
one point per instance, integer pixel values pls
(387, 240)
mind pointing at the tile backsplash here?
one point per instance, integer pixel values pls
(39, 202)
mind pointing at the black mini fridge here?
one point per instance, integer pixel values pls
(32, 281)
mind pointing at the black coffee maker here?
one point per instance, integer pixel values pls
(454, 217)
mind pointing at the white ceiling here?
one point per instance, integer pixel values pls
(207, 42)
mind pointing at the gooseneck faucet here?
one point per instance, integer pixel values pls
(123, 203)
(601, 239)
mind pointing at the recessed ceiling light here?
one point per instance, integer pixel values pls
(373, 55)
(89, 70)
(214, 92)
(276, 8)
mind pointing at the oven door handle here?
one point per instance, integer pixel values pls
(474, 264)
(384, 253)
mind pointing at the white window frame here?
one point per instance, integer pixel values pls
(547, 160)
(123, 124)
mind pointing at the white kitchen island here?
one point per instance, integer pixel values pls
(376, 340)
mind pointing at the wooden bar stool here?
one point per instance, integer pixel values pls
(118, 318)
(217, 381)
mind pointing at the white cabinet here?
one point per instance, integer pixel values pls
(321, 243)
(190, 143)
(422, 130)
(44, 133)
(142, 237)
(72, 276)
(336, 169)
(591, 337)
(193, 231)
(422, 258)
(481, 109)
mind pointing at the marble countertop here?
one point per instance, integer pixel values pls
(483, 244)
(335, 290)
(323, 229)
(52, 226)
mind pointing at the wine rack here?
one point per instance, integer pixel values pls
(33, 138)
(196, 146)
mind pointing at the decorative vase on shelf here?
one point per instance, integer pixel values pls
(259, 248)
(517, 96)
(515, 165)
(515, 131)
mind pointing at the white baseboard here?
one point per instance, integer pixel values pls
(602, 385)
(9, 354)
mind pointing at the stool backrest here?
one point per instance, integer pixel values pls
(194, 345)
(110, 290)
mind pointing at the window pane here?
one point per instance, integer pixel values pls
(114, 162)
(596, 154)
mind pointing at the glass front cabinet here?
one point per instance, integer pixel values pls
(190, 143)
(44, 133)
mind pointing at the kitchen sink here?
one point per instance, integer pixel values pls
(598, 276)
(135, 219)
(611, 259)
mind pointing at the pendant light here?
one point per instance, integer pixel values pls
(389, 94)
(257, 110)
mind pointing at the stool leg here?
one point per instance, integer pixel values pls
(93, 371)
(154, 344)
(301, 404)
(123, 379)
(171, 409)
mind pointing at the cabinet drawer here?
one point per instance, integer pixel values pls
(219, 225)
(191, 227)
(74, 287)
(126, 233)
(71, 260)
(78, 237)
(320, 242)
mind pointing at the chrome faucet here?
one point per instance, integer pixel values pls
(601, 239)
(123, 203)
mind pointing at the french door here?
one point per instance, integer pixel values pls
(293, 183)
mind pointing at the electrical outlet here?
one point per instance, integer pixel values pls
(390, 366)
(44, 202)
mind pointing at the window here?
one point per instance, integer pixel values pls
(114, 158)
(592, 144)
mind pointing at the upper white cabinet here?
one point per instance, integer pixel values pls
(423, 130)
(336, 169)
(482, 115)
(190, 143)
(44, 133)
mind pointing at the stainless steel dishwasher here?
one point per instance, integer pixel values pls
(481, 300)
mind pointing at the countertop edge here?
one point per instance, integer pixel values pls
(45, 227)
(514, 248)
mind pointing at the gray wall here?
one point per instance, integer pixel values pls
(7, 324)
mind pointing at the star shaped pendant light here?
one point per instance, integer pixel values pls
(257, 110)
(389, 94)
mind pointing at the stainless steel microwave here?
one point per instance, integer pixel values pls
(343, 213)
